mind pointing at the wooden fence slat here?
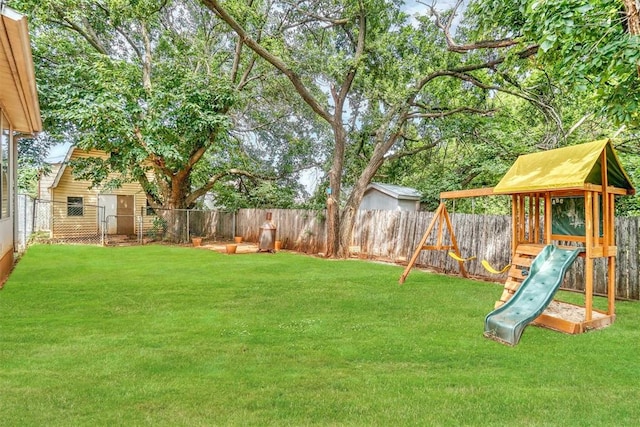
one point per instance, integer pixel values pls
(393, 236)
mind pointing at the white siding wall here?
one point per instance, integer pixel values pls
(6, 223)
(408, 205)
(377, 200)
(374, 199)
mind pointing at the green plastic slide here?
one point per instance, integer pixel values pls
(507, 322)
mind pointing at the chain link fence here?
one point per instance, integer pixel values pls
(58, 222)
(180, 225)
(68, 222)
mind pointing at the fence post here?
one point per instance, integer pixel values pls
(34, 213)
(24, 225)
(234, 231)
(103, 226)
(140, 225)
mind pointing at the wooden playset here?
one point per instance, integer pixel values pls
(563, 197)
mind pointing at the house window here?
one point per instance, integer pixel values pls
(5, 151)
(75, 206)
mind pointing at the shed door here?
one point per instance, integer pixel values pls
(109, 201)
(125, 215)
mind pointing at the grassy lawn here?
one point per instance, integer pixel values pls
(162, 335)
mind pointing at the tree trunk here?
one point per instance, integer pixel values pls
(175, 225)
(633, 17)
(633, 21)
(347, 219)
(333, 198)
(173, 209)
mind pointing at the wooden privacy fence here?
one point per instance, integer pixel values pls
(394, 235)
(298, 230)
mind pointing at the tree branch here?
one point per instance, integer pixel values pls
(348, 81)
(633, 21)
(315, 17)
(131, 43)
(445, 113)
(547, 109)
(445, 26)
(417, 150)
(146, 60)
(527, 52)
(578, 124)
(191, 198)
(274, 60)
(157, 162)
(88, 35)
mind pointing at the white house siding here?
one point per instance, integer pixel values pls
(6, 219)
(19, 112)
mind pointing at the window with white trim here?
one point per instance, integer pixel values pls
(5, 183)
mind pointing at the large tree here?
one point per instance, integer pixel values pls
(591, 46)
(154, 83)
(380, 81)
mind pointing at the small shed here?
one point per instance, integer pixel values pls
(80, 211)
(379, 196)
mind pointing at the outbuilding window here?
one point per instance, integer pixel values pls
(75, 206)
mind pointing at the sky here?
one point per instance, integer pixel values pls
(412, 6)
(57, 153)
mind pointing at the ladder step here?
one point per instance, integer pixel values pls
(529, 249)
(506, 295)
(524, 261)
(511, 285)
(516, 273)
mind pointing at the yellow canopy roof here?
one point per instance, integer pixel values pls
(564, 168)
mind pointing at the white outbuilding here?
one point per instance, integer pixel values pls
(379, 196)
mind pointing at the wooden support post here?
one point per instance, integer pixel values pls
(440, 227)
(605, 201)
(609, 236)
(588, 261)
(548, 219)
(536, 219)
(530, 238)
(611, 273)
(454, 242)
(596, 221)
(521, 220)
(514, 225)
(416, 253)
(441, 215)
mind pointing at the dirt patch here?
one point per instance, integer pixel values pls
(241, 248)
